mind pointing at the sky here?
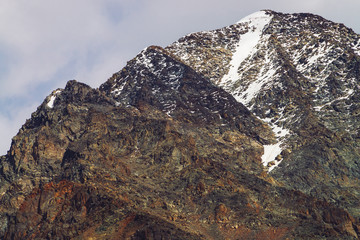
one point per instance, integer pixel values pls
(43, 43)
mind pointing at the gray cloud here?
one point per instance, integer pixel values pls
(45, 43)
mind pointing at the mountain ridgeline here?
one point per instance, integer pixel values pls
(250, 131)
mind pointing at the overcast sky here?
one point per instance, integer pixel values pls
(43, 43)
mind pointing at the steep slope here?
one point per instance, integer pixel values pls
(155, 78)
(158, 152)
(299, 73)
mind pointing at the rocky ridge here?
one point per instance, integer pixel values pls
(302, 77)
(161, 152)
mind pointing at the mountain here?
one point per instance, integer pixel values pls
(299, 73)
(245, 132)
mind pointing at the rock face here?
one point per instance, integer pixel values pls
(173, 146)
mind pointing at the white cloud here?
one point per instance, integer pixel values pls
(44, 36)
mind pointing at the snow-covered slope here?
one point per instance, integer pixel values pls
(278, 64)
(239, 78)
(300, 73)
(155, 79)
(245, 48)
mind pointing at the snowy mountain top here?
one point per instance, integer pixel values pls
(257, 18)
(245, 48)
(156, 80)
(281, 66)
(152, 67)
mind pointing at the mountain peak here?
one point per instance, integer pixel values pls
(257, 18)
(155, 79)
(299, 73)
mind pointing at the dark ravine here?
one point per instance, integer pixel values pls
(163, 149)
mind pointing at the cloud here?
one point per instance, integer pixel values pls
(45, 36)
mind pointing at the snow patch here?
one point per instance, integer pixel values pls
(272, 151)
(270, 154)
(279, 131)
(348, 93)
(53, 96)
(356, 48)
(117, 91)
(254, 88)
(50, 104)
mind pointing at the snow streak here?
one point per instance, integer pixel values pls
(53, 96)
(246, 47)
